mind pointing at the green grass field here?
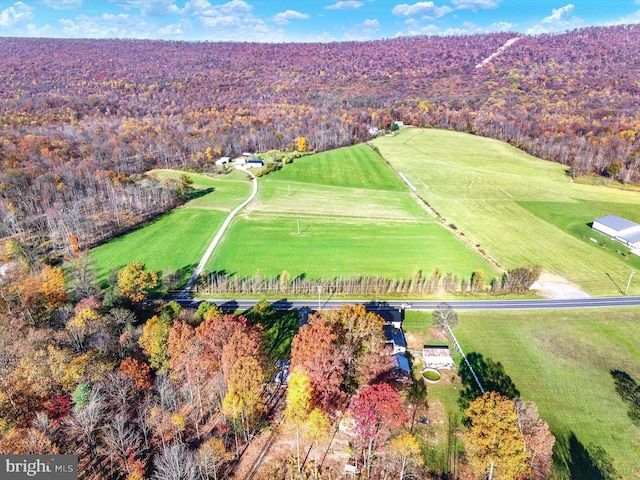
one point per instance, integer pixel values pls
(355, 217)
(178, 239)
(520, 209)
(562, 360)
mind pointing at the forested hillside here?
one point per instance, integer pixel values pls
(81, 117)
(142, 389)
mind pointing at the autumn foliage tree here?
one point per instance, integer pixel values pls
(154, 342)
(494, 444)
(134, 282)
(299, 397)
(138, 371)
(538, 439)
(376, 410)
(405, 449)
(315, 348)
(244, 403)
(53, 286)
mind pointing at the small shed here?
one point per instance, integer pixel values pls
(223, 160)
(402, 363)
(438, 357)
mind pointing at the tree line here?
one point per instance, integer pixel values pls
(518, 280)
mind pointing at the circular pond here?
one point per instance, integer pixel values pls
(431, 375)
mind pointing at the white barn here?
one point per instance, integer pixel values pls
(620, 229)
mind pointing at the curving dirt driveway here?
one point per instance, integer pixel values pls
(205, 258)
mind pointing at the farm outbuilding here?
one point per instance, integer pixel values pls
(438, 357)
(254, 163)
(620, 229)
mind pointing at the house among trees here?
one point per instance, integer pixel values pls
(395, 338)
(223, 160)
(438, 357)
(391, 316)
(620, 229)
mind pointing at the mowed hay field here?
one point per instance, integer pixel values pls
(520, 209)
(562, 360)
(178, 239)
(340, 213)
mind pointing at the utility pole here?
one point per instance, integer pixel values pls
(319, 290)
(298, 222)
(629, 282)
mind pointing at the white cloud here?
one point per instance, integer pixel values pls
(110, 25)
(560, 20)
(557, 14)
(345, 5)
(180, 29)
(106, 26)
(425, 9)
(16, 14)
(46, 31)
(232, 21)
(283, 18)
(434, 31)
(362, 31)
(627, 19)
(204, 8)
(414, 27)
(61, 4)
(475, 4)
(501, 27)
(152, 8)
(371, 23)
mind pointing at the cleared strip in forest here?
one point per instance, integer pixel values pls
(507, 44)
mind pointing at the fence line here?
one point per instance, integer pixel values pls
(459, 348)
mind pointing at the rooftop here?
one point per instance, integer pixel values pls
(616, 223)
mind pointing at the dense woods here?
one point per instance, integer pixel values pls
(150, 390)
(155, 391)
(81, 119)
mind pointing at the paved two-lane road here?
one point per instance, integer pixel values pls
(537, 304)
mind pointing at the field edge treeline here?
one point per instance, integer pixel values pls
(518, 280)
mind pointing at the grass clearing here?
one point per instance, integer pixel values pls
(340, 213)
(339, 247)
(562, 361)
(520, 209)
(178, 239)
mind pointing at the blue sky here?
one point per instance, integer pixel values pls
(302, 21)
